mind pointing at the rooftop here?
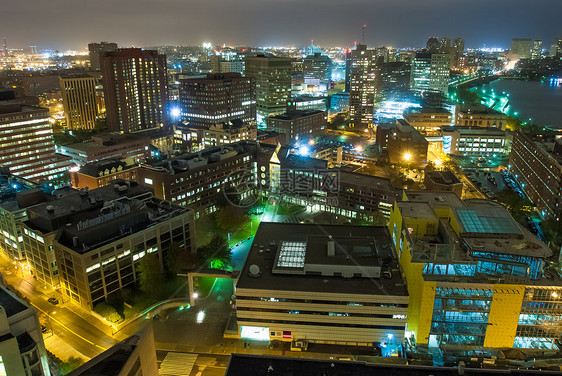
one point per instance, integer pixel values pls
(192, 161)
(85, 220)
(95, 168)
(365, 180)
(329, 258)
(11, 189)
(468, 130)
(261, 365)
(9, 109)
(442, 177)
(10, 303)
(297, 114)
(478, 110)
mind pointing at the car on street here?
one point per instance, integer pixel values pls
(54, 301)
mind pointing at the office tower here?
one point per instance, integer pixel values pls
(521, 47)
(348, 71)
(79, 101)
(458, 49)
(430, 71)
(537, 166)
(536, 52)
(444, 44)
(96, 49)
(298, 125)
(5, 47)
(317, 71)
(392, 78)
(362, 87)
(272, 76)
(217, 98)
(21, 342)
(432, 44)
(556, 47)
(439, 73)
(135, 88)
(221, 65)
(32, 156)
(33, 50)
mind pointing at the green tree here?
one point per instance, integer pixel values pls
(216, 250)
(552, 230)
(107, 311)
(231, 218)
(151, 277)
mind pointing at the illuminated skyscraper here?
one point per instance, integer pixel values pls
(536, 53)
(521, 47)
(432, 44)
(95, 53)
(272, 76)
(317, 71)
(79, 101)
(135, 88)
(431, 72)
(556, 47)
(27, 147)
(361, 86)
(217, 98)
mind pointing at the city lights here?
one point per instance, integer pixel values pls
(175, 112)
(200, 317)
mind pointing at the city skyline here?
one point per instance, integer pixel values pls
(274, 24)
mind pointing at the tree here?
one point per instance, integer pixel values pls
(172, 259)
(552, 230)
(151, 277)
(217, 251)
(230, 218)
(107, 311)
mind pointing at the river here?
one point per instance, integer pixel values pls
(530, 101)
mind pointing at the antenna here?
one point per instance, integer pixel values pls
(363, 39)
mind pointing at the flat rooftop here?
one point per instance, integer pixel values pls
(442, 177)
(471, 130)
(85, 220)
(314, 258)
(192, 161)
(258, 365)
(297, 114)
(10, 303)
(371, 181)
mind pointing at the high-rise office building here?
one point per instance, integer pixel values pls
(392, 78)
(272, 76)
(458, 49)
(79, 101)
(430, 72)
(444, 44)
(135, 88)
(96, 49)
(432, 44)
(536, 52)
(216, 98)
(521, 47)
(362, 86)
(317, 71)
(556, 47)
(27, 147)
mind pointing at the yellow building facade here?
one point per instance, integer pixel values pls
(474, 276)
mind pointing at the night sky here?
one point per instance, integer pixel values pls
(62, 24)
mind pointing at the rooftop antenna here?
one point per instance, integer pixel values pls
(363, 38)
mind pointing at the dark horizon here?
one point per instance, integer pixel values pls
(61, 25)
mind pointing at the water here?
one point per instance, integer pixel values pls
(533, 101)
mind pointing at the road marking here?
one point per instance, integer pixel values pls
(67, 328)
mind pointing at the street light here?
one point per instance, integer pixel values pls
(407, 156)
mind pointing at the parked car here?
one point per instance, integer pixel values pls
(54, 301)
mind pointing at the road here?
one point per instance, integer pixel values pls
(84, 333)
